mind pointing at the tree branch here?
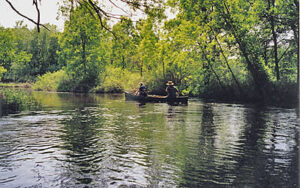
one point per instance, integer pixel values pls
(99, 11)
(31, 20)
(38, 14)
(118, 6)
(283, 54)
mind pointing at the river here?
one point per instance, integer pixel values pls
(77, 140)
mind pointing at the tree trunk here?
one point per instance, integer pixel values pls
(141, 69)
(298, 56)
(163, 64)
(212, 69)
(265, 54)
(83, 55)
(229, 68)
(274, 35)
(123, 62)
(296, 36)
(258, 74)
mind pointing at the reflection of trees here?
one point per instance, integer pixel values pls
(80, 141)
(263, 153)
(71, 100)
(161, 136)
(153, 136)
(212, 158)
(198, 165)
(16, 100)
(105, 145)
(1, 105)
(107, 141)
(296, 158)
(255, 126)
(207, 125)
(262, 162)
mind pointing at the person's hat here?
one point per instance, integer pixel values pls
(169, 83)
(141, 83)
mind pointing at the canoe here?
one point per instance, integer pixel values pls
(156, 98)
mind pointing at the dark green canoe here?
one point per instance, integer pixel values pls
(156, 98)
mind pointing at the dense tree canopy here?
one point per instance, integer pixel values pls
(234, 49)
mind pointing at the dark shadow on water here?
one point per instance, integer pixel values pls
(201, 171)
(262, 163)
(16, 100)
(80, 140)
(256, 161)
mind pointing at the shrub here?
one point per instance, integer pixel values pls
(2, 71)
(116, 80)
(57, 81)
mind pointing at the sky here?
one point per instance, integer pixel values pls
(49, 12)
(48, 9)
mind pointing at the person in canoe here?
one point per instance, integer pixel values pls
(142, 90)
(171, 90)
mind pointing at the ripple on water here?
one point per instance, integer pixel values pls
(117, 144)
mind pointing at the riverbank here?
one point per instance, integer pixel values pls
(16, 85)
(280, 96)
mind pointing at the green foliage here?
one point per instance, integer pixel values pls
(224, 48)
(26, 54)
(116, 80)
(7, 47)
(20, 68)
(15, 85)
(57, 81)
(123, 48)
(10, 57)
(224, 45)
(44, 47)
(83, 48)
(2, 71)
(13, 101)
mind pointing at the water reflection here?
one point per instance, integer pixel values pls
(80, 144)
(16, 100)
(77, 140)
(266, 146)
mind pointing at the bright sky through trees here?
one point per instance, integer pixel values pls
(49, 12)
(48, 9)
(194, 49)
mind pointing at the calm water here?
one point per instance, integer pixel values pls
(104, 141)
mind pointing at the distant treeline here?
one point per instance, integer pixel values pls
(225, 49)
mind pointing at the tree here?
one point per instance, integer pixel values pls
(82, 45)
(41, 47)
(146, 49)
(7, 49)
(44, 47)
(152, 7)
(11, 58)
(242, 23)
(123, 47)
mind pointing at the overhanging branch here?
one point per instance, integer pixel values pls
(98, 10)
(38, 24)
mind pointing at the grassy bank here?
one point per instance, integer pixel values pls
(117, 80)
(12, 101)
(113, 80)
(15, 85)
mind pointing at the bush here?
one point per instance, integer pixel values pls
(156, 84)
(116, 80)
(2, 71)
(57, 81)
